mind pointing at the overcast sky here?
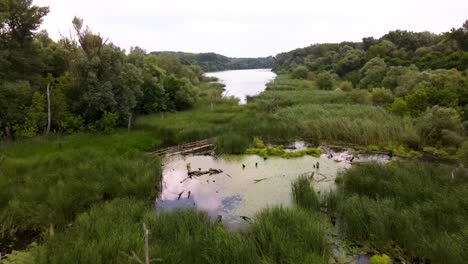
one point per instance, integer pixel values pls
(249, 28)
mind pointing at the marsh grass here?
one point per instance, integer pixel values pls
(48, 182)
(418, 206)
(304, 195)
(284, 115)
(111, 232)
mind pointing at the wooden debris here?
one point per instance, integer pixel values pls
(180, 194)
(245, 218)
(259, 180)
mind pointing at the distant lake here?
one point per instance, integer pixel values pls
(241, 83)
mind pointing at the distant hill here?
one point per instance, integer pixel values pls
(216, 62)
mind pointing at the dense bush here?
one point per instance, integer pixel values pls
(300, 72)
(435, 121)
(325, 81)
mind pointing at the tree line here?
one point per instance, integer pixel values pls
(416, 74)
(82, 81)
(210, 61)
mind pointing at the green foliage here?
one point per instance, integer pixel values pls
(403, 203)
(288, 235)
(399, 106)
(107, 123)
(435, 151)
(35, 119)
(373, 73)
(382, 96)
(279, 151)
(55, 181)
(304, 195)
(463, 154)
(231, 144)
(22, 257)
(346, 86)
(435, 120)
(380, 259)
(360, 96)
(258, 143)
(300, 72)
(325, 81)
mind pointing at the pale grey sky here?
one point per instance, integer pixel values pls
(249, 28)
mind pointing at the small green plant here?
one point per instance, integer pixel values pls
(380, 259)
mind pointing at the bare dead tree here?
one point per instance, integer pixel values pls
(49, 113)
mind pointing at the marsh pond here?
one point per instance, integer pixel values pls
(234, 188)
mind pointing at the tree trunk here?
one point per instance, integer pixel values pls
(8, 136)
(49, 113)
(146, 232)
(51, 230)
(130, 116)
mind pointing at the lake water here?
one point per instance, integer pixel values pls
(241, 83)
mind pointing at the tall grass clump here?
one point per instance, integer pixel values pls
(304, 195)
(289, 235)
(419, 207)
(112, 233)
(231, 143)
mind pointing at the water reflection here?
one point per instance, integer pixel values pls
(239, 191)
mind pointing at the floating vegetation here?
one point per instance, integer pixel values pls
(263, 150)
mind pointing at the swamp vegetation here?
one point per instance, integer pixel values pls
(77, 182)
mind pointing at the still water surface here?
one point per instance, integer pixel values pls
(239, 191)
(240, 83)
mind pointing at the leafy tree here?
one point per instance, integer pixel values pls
(15, 100)
(383, 49)
(35, 118)
(373, 73)
(181, 94)
(18, 57)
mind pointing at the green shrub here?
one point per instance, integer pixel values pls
(435, 120)
(300, 72)
(360, 96)
(380, 259)
(346, 86)
(382, 96)
(325, 81)
(107, 123)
